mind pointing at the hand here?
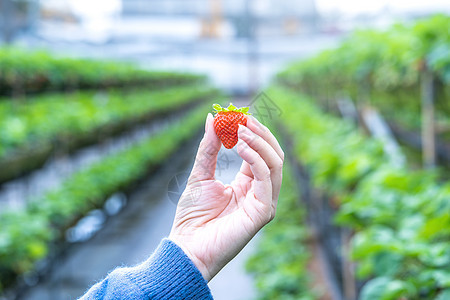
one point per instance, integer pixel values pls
(213, 221)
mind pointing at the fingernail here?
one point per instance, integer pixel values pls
(207, 122)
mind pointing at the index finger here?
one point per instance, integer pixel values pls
(254, 125)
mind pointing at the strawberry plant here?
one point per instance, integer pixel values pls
(45, 122)
(400, 217)
(25, 235)
(382, 68)
(38, 71)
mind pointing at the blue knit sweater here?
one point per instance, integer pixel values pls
(167, 274)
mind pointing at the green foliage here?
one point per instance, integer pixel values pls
(25, 235)
(383, 68)
(47, 119)
(280, 263)
(385, 288)
(401, 217)
(217, 108)
(37, 71)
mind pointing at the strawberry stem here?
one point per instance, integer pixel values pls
(231, 107)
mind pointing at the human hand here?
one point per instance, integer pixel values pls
(214, 221)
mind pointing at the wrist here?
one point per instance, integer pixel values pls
(202, 268)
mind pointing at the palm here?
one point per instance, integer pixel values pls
(221, 215)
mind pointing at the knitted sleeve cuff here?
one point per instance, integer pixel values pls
(169, 274)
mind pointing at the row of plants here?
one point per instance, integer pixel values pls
(280, 264)
(383, 68)
(23, 71)
(27, 236)
(400, 217)
(30, 131)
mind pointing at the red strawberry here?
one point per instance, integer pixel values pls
(226, 123)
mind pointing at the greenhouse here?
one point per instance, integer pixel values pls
(206, 149)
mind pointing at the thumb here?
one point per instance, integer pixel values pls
(206, 159)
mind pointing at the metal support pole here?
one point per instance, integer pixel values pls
(428, 128)
(252, 49)
(7, 20)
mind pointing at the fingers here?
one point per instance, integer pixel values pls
(268, 154)
(262, 182)
(205, 161)
(254, 125)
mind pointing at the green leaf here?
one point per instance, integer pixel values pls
(217, 107)
(444, 295)
(386, 288)
(231, 107)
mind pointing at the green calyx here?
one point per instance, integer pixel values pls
(231, 107)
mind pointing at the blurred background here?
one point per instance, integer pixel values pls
(102, 105)
(239, 44)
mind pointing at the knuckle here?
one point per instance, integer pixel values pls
(241, 147)
(279, 164)
(206, 147)
(193, 178)
(253, 140)
(264, 129)
(266, 174)
(203, 147)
